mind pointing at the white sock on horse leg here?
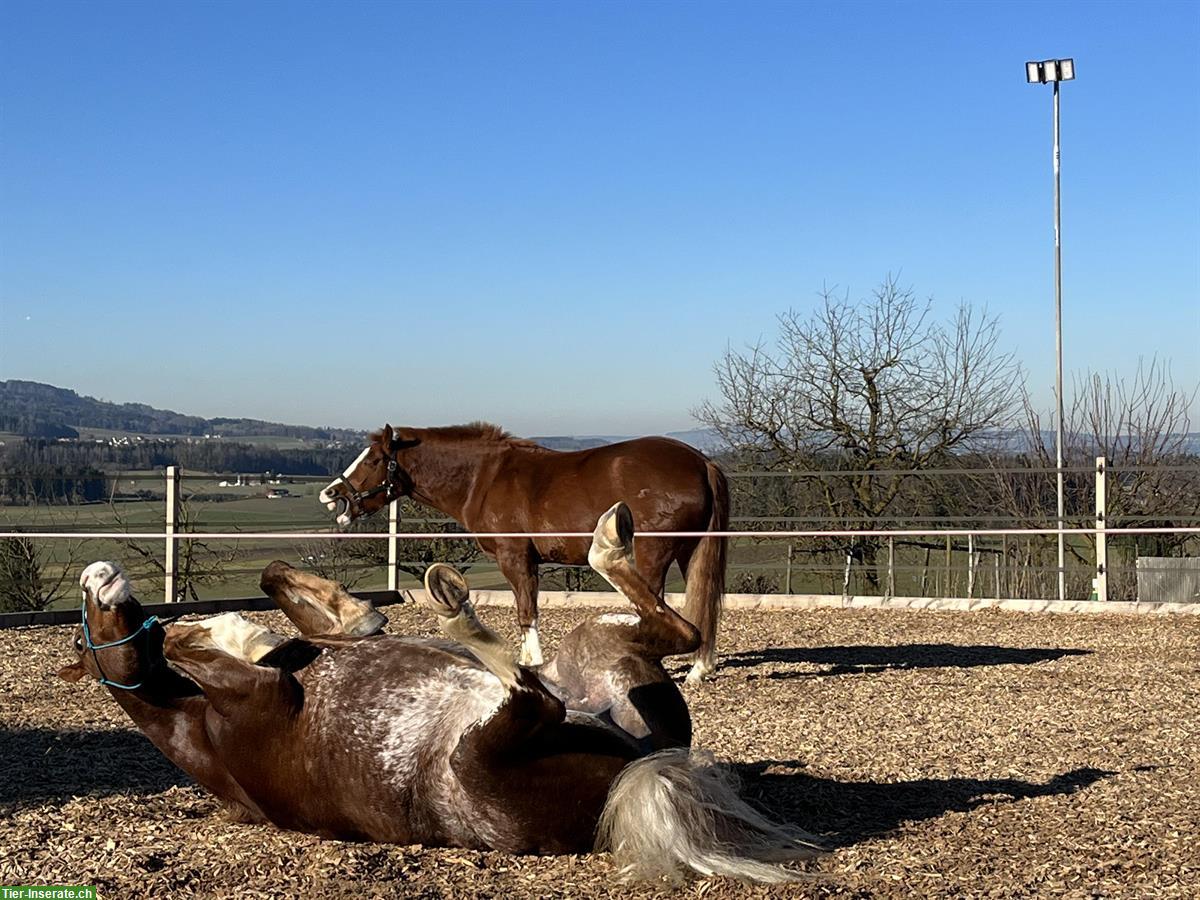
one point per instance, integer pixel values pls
(531, 647)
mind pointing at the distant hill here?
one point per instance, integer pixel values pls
(33, 409)
(703, 439)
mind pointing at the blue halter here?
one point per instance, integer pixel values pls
(87, 637)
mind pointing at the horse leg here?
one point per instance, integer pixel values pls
(231, 685)
(498, 761)
(234, 635)
(448, 594)
(520, 568)
(659, 631)
(318, 605)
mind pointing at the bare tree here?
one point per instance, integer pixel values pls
(29, 578)
(351, 562)
(876, 389)
(1141, 426)
(198, 563)
(35, 573)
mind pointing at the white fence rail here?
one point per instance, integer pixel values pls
(172, 534)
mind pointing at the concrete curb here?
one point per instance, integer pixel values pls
(600, 599)
(609, 600)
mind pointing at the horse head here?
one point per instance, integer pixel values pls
(369, 483)
(317, 605)
(116, 642)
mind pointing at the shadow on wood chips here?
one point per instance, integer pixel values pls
(845, 813)
(40, 765)
(857, 660)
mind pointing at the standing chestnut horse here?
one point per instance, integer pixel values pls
(489, 481)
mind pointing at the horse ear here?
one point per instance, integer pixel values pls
(388, 438)
(73, 672)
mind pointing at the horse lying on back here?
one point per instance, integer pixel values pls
(429, 741)
(610, 665)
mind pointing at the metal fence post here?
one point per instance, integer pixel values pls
(891, 579)
(393, 578)
(947, 587)
(170, 575)
(1101, 531)
(970, 566)
(787, 584)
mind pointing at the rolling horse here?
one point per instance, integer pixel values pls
(489, 481)
(610, 665)
(411, 740)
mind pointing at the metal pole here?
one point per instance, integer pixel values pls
(970, 566)
(1058, 352)
(946, 590)
(891, 578)
(1101, 526)
(393, 578)
(787, 584)
(170, 560)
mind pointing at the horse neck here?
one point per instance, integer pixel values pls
(158, 703)
(443, 471)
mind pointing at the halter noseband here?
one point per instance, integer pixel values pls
(144, 628)
(354, 497)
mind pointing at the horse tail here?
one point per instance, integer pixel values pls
(706, 578)
(676, 813)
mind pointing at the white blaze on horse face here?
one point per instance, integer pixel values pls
(105, 583)
(327, 495)
(531, 647)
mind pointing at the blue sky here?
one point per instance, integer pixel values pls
(557, 216)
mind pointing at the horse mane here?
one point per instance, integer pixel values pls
(472, 431)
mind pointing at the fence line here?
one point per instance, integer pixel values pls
(502, 535)
(174, 532)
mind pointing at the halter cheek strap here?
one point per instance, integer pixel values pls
(388, 485)
(87, 637)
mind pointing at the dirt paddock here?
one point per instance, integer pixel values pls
(983, 754)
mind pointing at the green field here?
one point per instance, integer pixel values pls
(755, 566)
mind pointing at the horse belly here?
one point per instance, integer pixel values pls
(395, 782)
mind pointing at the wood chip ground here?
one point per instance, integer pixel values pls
(981, 754)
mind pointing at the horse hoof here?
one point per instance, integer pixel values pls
(446, 590)
(529, 660)
(612, 540)
(370, 624)
(698, 673)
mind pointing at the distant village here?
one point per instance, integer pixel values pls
(275, 493)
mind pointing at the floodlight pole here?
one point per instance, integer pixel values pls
(1054, 71)
(1058, 352)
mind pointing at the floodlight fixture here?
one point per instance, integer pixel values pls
(1050, 70)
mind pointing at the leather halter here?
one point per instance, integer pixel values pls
(354, 497)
